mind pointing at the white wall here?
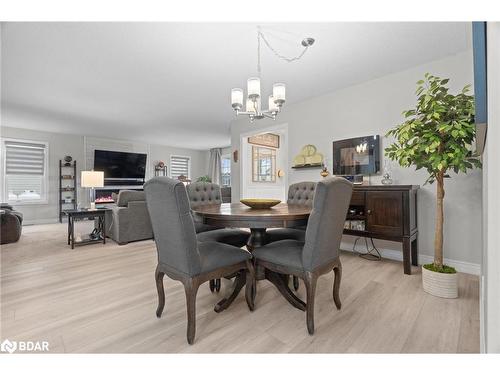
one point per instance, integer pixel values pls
(490, 278)
(373, 108)
(78, 147)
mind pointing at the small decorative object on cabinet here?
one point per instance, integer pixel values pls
(324, 172)
(68, 197)
(437, 136)
(160, 169)
(387, 180)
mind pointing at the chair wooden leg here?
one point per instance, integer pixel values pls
(250, 285)
(296, 283)
(161, 292)
(191, 289)
(310, 282)
(336, 285)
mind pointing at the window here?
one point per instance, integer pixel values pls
(180, 166)
(263, 164)
(25, 172)
(225, 170)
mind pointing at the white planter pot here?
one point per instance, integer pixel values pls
(443, 285)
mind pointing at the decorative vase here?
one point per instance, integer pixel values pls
(387, 180)
(444, 285)
(324, 172)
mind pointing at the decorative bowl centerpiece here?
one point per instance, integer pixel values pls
(260, 203)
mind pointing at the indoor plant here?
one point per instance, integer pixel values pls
(205, 178)
(437, 135)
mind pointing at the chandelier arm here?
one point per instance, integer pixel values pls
(268, 115)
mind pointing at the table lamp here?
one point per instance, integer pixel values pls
(92, 180)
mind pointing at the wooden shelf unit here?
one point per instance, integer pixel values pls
(67, 176)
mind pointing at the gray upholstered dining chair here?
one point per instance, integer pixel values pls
(180, 256)
(207, 193)
(300, 193)
(319, 254)
(202, 194)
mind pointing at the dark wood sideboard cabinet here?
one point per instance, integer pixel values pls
(389, 212)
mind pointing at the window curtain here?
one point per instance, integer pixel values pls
(215, 165)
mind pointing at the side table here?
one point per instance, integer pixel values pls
(99, 233)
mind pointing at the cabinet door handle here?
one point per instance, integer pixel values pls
(369, 212)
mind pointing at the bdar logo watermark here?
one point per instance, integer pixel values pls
(8, 346)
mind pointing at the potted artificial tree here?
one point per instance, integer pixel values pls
(437, 135)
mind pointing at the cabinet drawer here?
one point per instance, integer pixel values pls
(358, 198)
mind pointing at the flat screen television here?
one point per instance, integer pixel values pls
(117, 164)
(356, 156)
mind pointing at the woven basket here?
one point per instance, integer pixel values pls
(443, 285)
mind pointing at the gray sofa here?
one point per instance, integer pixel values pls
(11, 225)
(129, 219)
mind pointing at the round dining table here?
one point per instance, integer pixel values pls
(237, 215)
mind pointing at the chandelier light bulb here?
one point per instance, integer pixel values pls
(253, 85)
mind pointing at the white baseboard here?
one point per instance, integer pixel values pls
(40, 221)
(460, 266)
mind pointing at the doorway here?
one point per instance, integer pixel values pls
(264, 168)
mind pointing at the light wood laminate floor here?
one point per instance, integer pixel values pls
(102, 298)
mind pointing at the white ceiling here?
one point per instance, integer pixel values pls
(169, 83)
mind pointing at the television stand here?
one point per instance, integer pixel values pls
(386, 212)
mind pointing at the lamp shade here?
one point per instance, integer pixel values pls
(92, 179)
(253, 85)
(237, 98)
(279, 92)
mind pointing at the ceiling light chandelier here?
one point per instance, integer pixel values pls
(253, 107)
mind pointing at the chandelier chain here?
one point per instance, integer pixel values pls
(260, 35)
(258, 52)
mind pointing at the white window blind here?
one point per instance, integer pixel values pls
(179, 165)
(25, 170)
